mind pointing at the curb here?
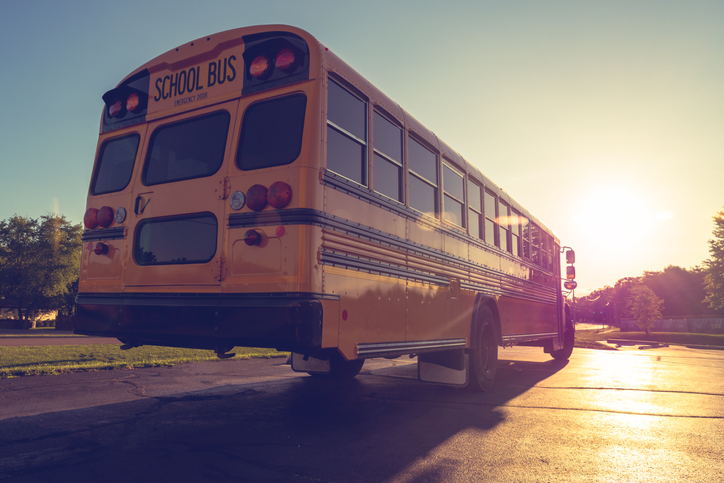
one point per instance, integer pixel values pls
(644, 344)
(706, 347)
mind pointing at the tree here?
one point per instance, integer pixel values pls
(39, 262)
(682, 290)
(644, 306)
(715, 267)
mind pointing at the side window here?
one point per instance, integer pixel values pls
(454, 198)
(515, 230)
(526, 227)
(549, 252)
(535, 243)
(388, 177)
(346, 133)
(504, 224)
(475, 211)
(271, 133)
(490, 215)
(115, 164)
(193, 148)
(423, 178)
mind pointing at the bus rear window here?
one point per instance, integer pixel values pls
(115, 164)
(167, 241)
(188, 149)
(271, 133)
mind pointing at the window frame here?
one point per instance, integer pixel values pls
(463, 221)
(166, 126)
(419, 177)
(492, 221)
(478, 211)
(364, 143)
(99, 162)
(259, 104)
(386, 157)
(503, 220)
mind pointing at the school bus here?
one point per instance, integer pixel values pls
(252, 189)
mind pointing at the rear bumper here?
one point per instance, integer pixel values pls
(291, 322)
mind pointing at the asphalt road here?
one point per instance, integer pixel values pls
(625, 416)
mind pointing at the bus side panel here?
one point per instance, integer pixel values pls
(419, 233)
(330, 323)
(344, 206)
(484, 257)
(435, 312)
(374, 307)
(103, 269)
(523, 317)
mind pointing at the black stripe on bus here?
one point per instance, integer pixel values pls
(117, 233)
(200, 299)
(370, 266)
(308, 216)
(376, 349)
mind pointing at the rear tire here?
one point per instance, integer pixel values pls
(484, 358)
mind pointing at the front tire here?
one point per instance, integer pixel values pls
(569, 340)
(484, 358)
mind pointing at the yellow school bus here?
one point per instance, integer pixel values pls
(251, 189)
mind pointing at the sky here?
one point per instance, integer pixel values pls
(604, 119)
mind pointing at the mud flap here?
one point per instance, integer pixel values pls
(446, 367)
(312, 365)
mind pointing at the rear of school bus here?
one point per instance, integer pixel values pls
(208, 159)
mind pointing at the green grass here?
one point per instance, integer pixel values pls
(46, 360)
(591, 339)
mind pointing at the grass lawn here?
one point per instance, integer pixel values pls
(591, 339)
(44, 360)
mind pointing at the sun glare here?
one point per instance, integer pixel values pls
(613, 219)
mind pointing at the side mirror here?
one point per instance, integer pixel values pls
(570, 257)
(570, 272)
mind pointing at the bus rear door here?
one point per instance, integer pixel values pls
(178, 212)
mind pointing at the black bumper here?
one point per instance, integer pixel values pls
(290, 322)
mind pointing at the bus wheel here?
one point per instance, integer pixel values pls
(484, 360)
(569, 340)
(341, 368)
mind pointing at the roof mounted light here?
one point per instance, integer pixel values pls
(260, 67)
(286, 60)
(134, 103)
(116, 109)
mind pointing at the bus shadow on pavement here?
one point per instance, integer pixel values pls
(377, 427)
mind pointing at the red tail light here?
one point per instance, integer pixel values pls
(260, 67)
(90, 219)
(100, 248)
(280, 194)
(286, 60)
(133, 103)
(105, 216)
(116, 109)
(252, 237)
(256, 197)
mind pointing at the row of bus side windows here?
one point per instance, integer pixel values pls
(488, 217)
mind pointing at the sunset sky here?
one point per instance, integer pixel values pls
(605, 119)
